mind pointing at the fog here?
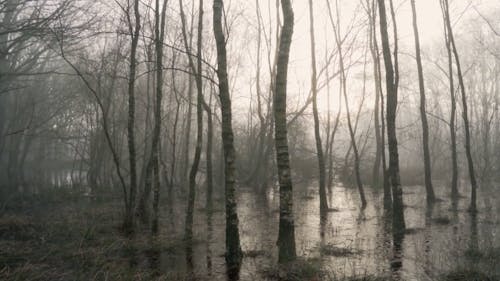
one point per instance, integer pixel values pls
(249, 140)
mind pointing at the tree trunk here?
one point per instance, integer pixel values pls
(257, 175)
(286, 236)
(233, 249)
(187, 135)
(134, 33)
(392, 81)
(199, 117)
(155, 148)
(353, 136)
(210, 134)
(423, 113)
(146, 177)
(174, 139)
(380, 105)
(379, 150)
(453, 118)
(465, 114)
(338, 40)
(385, 173)
(323, 203)
(332, 134)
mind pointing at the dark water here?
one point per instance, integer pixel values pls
(351, 243)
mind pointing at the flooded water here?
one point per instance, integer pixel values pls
(351, 242)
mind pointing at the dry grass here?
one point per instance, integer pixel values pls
(331, 250)
(301, 269)
(468, 274)
(72, 242)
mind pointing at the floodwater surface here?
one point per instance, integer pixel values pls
(351, 243)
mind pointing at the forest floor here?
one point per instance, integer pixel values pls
(61, 236)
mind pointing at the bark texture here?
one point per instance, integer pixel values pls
(233, 249)
(286, 236)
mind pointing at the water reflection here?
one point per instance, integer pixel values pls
(189, 258)
(233, 273)
(209, 241)
(398, 237)
(474, 239)
(349, 242)
(427, 239)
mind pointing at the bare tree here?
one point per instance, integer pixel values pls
(423, 112)
(233, 249)
(209, 149)
(465, 114)
(343, 77)
(159, 39)
(286, 236)
(392, 80)
(453, 118)
(323, 203)
(197, 71)
(371, 7)
(134, 27)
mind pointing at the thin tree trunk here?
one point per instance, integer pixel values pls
(423, 112)
(187, 134)
(210, 134)
(392, 81)
(323, 203)
(174, 138)
(336, 27)
(453, 133)
(261, 149)
(333, 133)
(385, 174)
(353, 137)
(134, 33)
(378, 141)
(159, 38)
(233, 249)
(199, 116)
(147, 168)
(379, 150)
(465, 114)
(270, 173)
(328, 129)
(286, 236)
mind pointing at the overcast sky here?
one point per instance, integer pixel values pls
(429, 23)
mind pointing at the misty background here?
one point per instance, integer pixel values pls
(112, 126)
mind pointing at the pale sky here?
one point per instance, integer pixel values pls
(429, 23)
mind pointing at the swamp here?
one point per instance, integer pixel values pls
(184, 140)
